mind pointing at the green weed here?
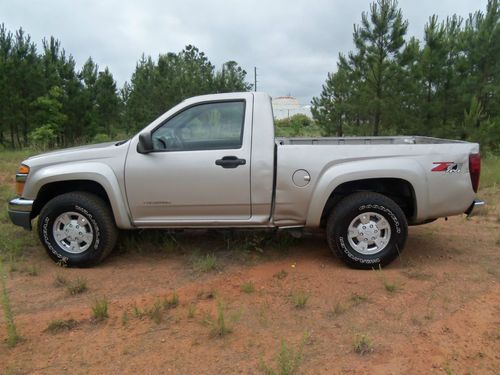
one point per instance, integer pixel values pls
(389, 286)
(60, 281)
(357, 299)
(100, 310)
(13, 337)
(219, 325)
(247, 287)
(77, 286)
(299, 299)
(191, 311)
(362, 345)
(125, 318)
(337, 310)
(58, 325)
(280, 275)
(32, 270)
(490, 175)
(204, 263)
(288, 360)
(155, 313)
(172, 302)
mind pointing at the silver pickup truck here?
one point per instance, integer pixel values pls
(213, 162)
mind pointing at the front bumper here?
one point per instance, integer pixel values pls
(20, 212)
(475, 208)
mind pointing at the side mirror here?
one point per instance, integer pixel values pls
(145, 145)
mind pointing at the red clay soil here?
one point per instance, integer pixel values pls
(442, 318)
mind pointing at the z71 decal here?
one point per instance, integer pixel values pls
(447, 166)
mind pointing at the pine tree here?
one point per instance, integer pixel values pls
(379, 41)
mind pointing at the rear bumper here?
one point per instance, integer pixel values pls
(20, 212)
(475, 208)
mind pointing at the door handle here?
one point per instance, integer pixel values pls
(230, 162)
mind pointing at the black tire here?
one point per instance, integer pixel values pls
(99, 222)
(350, 208)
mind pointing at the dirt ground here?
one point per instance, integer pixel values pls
(435, 310)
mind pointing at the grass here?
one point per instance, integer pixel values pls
(490, 171)
(206, 294)
(77, 286)
(219, 327)
(257, 241)
(13, 240)
(363, 345)
(13, 337)
(60, 281)
(191, 311)
(172, 302)
(247, 287)
(417, 274)
(280, 275)
(299, 299)
(125, 318)
(447, 369)
(58, 325)
(100, 310)
(288, 360)
(389, 286)
(155, 313)
(145, 241)
(340, 308)
(32, 270)
(157, 310)
(136, 311)
(337, 310)
(204, 263)
(357, 299)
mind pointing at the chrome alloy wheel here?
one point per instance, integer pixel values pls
(73, 232)
(369, 233)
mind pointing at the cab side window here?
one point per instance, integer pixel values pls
(209, 126)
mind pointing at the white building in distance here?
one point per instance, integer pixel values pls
(287, 106)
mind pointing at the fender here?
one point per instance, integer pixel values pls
(335, 174)
(92, 171)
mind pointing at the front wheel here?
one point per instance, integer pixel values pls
(367, 230)
(77, 229)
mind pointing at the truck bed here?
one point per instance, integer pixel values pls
(412, 140)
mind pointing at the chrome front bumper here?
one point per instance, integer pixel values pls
(20, 212)
(475, 208)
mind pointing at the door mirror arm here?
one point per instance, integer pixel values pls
(145, 145)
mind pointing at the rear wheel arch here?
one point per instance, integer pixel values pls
(399, 190)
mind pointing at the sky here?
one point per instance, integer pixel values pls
(293, 43)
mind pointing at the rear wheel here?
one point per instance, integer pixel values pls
(366, 230)
(77, 229)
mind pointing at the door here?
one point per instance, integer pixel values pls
(199, 170)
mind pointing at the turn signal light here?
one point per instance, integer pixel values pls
(23, 169)
(21, 175)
